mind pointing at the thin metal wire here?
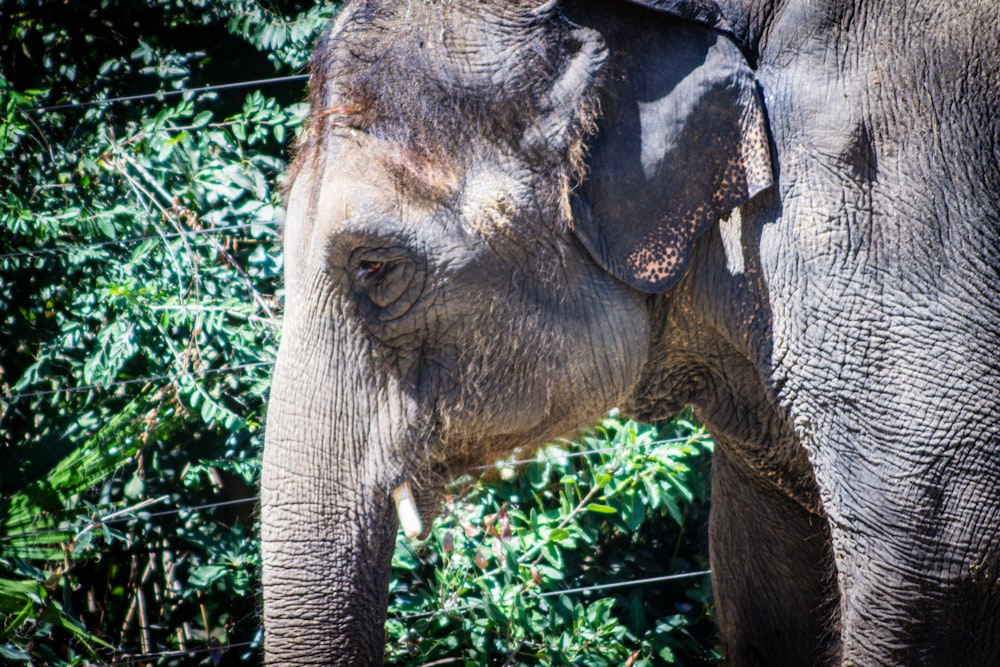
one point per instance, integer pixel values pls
(622, 584)
(167, 93)
(565, 591)
(570, 455)
(132, 659)
(238, 501)
(144, 657)
(135, 239)
(251, 499)
(115, 517)
(10, 398)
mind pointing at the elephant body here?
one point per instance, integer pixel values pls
(506, 218)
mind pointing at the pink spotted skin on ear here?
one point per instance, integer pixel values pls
(659, 259)
(660, 256)
(755, 154)
(655, 262)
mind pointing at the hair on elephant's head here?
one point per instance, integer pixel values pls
(482, 201)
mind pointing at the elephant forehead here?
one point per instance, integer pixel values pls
(329, 189)
(356, 172)
(433, 77)
(491, 199)
(427, 178)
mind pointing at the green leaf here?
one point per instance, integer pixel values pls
(635, 511)
(557, 534)
(206, 575)
(201, 120)
(14, 654)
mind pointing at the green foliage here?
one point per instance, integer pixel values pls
(140, 297)
(486, 586)
(139, 292)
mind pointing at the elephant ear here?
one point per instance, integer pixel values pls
(681, 141)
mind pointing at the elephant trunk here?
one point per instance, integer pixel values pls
(327, 520)
(326, 577)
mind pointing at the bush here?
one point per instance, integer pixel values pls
(532, 564)
(140, 297)
(140, 292)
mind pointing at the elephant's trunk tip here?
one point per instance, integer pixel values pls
(406, 508)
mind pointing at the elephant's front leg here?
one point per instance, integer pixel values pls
(917, 560)
(771, 571)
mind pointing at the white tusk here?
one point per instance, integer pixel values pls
(544, 8)
(406, 508)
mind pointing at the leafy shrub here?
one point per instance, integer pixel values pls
(139, 283)
(623, 503)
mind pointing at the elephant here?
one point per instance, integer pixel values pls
(506, 217)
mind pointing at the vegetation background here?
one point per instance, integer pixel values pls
(140, 300)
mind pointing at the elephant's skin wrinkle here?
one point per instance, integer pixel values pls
(502, 222)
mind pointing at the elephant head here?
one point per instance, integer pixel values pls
(471, 251)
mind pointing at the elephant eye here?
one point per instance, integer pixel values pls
(368, 269)
(390, 279)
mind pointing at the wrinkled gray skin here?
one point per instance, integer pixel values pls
(495, 233)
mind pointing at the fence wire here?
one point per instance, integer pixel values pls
(579, 590)
(12, 397)
(564, 591)
(509, 463)
(77, 247)
(132, 659)
(166, 93)
(120, 516)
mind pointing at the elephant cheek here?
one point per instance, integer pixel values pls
(327, 519)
